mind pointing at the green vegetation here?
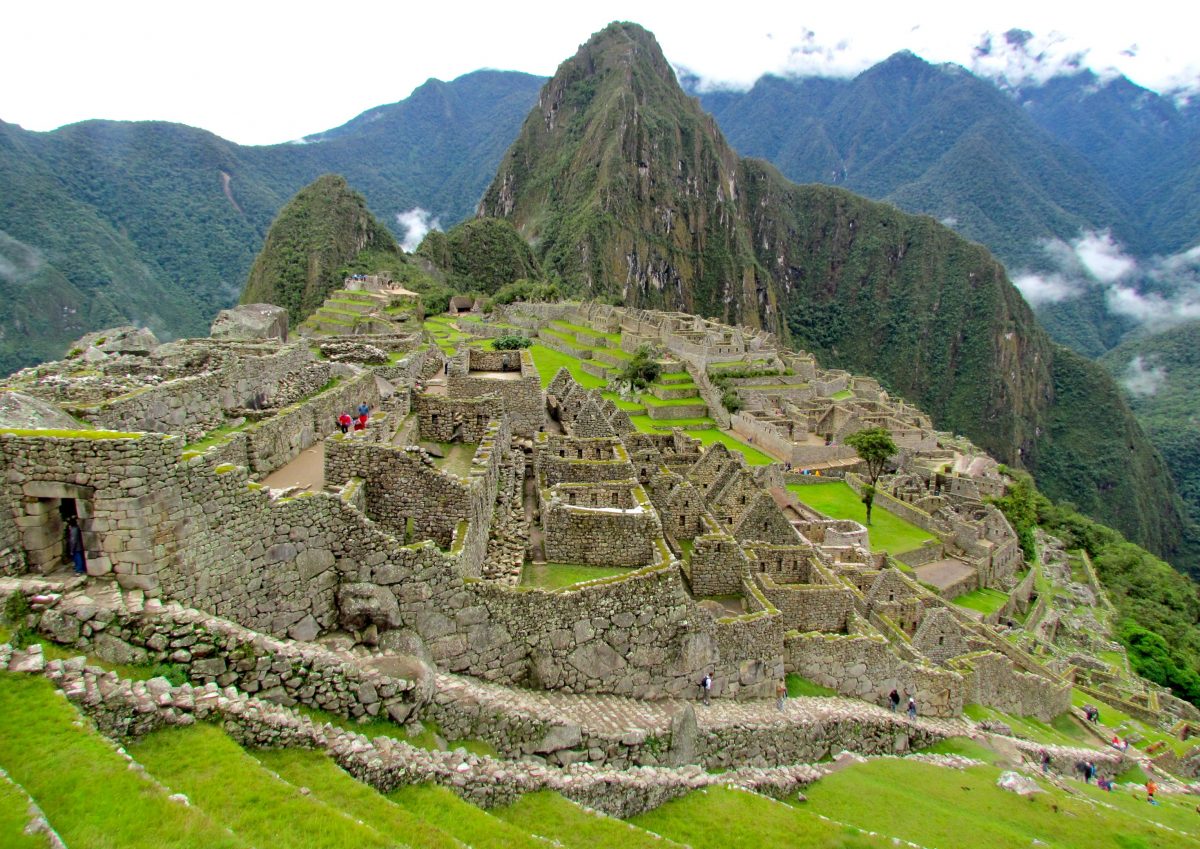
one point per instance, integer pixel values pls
(85, 788)
(985, 600)
(14, 816)
(800, 686)
(528, 291)
(331, 785)
(874, 447)
(228, 784)
(480, 255)
(548, 362)
(724, 818)
(511, 343)
(553, 576)
(567, 824)
(932, 806)
(642, 369)
(837, 500)
(442, 809)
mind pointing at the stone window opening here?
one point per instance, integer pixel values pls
(570, 498)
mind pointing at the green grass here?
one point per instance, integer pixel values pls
(457, 459)
(549, 361)
(985, 600)
(553, 576)
(1030, 727)
(442, 809)
(579, 328)
(1114, 720)
(331, 784)
(567, 824)
(800, 686)
(85, 788)
(648, 425)
(14, 818)
(964, 746)
(753, 456)
(724, 818)
(693, 401)
(887, 531)
(964, 809)
(843, 395)
(216, 435)
(216, 775)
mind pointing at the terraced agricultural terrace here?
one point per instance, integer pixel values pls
(484, 618)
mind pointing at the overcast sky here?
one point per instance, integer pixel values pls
(259, 72)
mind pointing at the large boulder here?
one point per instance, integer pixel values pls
(21, 411)
(360, 605)
(126, 339)
(251, 321)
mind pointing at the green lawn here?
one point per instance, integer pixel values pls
(473, 826)
(964, 809)
(800, 686)
(887, 531)
(457, 457)
(553, 576)
(14, 818)
(548, 362)
(221, 779)
(569, 825)
(753, 456)
(85, 788)
(985, 600)
(724, 818)
(329, 783)
(1061, 732)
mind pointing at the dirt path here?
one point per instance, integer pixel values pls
(307, 471)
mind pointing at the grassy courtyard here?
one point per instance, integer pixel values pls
(887, 531)
(555, 576)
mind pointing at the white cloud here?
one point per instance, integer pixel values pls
(18, 261)
(1139, 379)
(416, 223)
(1157, 292)
(1041, 289)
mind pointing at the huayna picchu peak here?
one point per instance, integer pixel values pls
(628, 190)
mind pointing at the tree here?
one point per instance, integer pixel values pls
(642, 369)
(874, 446)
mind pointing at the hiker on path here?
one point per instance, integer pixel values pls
(706, 686)
(894, 699)
(912, 708)
(344, 422)
(1151, 789)
(75, 545)
(1045, 761)
(363, 410)
(780, 694)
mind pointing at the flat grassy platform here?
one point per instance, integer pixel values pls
(985, 600)
(887, 531)
(554, 576)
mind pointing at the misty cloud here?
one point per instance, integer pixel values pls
(18, 261)
(1139, 379)
(416, 223)
(1019, 57)
(1159, 292)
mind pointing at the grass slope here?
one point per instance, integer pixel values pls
(471, 825)
(85, 788)
(569, 825)
(553, 576)
(887, 531)
(332, 785)
(14, 816)
(933, 806)
(233, 787)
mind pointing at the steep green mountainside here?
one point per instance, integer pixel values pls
(1161, 376)
(929, 138)
(627, 190)
(105, 222)
(313, 243)
(480, 255)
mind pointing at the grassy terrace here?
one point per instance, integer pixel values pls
(456, 457)
(887, 531)
(555, 576)
(986, 601)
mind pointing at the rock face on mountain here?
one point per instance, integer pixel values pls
(319, 232)
(627, 189)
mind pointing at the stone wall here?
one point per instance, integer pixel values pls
(456, 419)
(866, 667)
(601, 536)
(809, 607)
(718, 566)
(991, 679)
(523, 398)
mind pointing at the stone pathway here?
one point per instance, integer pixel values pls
(307, 471)
(612, 716)
(943, 573)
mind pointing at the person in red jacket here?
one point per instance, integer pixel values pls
(344, 422)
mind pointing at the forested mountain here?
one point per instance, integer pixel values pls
(105, 223)
(628, 190)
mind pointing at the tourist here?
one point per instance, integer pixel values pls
(780, 694)
(706, 686)
(1089, 772)
(1151, 789)
(360, 423)
(1105, 784)
(912, 708)
(344, 422)
(75, 545)
(1045, 758)
(363, 410)
(894, 699)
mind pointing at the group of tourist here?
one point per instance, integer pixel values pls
(346, 421)
(894, 703)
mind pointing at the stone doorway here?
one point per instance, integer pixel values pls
(46, 507)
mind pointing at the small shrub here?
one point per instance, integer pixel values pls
(642, 369)
(730, 401)
(173, 672)
(511, 343)
(16, 608)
